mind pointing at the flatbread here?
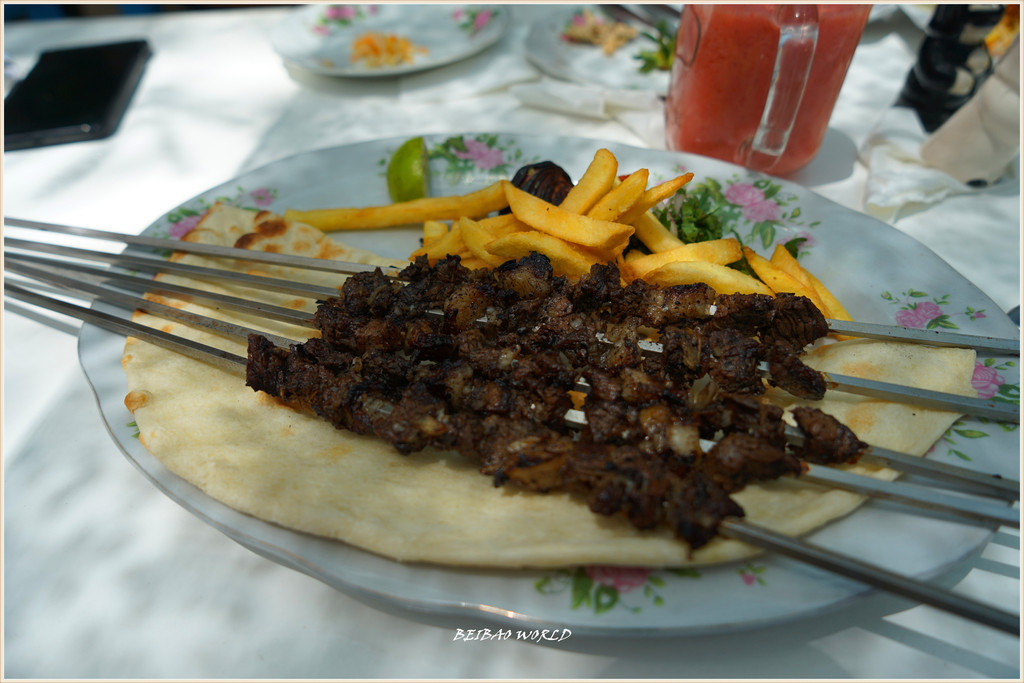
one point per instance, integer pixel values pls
(253, 453)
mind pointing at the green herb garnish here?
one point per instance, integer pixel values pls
(691, 216)
(793, 246)
(660, 58)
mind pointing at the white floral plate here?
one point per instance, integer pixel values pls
(319, 38)
(551, 53)
(879, 273)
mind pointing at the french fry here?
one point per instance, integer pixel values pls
(781, 258)
(722, 279)
(473, 263)
(778, 279)
(600, 255)
(450, 244)
(632, 255)
(567, 259)
(656, 195)
(473, 205)
(595, 182)
(557, 222)
(502, 224)
(722, 251)
(773, 276)
(832, 308)
(620, 199)
(654, 235)
(433, 231)
(835, 309)
(477, 235)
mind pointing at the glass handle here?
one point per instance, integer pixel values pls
(798, 37)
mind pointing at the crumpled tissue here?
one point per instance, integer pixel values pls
(909, 169)
(898, 178)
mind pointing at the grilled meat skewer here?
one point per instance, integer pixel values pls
(497, 393)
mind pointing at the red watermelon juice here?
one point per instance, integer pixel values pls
(722, 71)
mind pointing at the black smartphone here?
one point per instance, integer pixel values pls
(73, 94)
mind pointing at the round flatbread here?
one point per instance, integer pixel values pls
(257, 455)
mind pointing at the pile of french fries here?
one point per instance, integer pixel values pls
(593, 224)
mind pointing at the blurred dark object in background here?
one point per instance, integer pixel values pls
(952, 63)
(31, 12)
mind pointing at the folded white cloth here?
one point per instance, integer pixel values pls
(584, 100)
(489, 72)
(639, 110)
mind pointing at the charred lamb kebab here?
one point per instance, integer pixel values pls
(492, 378)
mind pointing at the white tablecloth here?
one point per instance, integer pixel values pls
(105, 577)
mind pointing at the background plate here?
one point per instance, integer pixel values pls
(550, 53)
(319, 37)
(880, 274)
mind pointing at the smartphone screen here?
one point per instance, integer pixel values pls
(73, 94)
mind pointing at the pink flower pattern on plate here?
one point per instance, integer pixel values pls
(622, 579)
(986, 381)
(340, 12)
(919, 315)
(764, 210)
(482, 19)
(751, 574)
(754, 205)
(484, 156)
(743, 194)
(184, 226)
(262, 196)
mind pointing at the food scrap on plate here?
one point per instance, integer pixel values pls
(375, 50)
(588, 28)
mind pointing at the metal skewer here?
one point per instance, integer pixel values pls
(873, 576)
(1008, 489)
(15, 264)
(158, 265)
(130, 303)
(965, 509)
(983, 344)
(798, 549)
(873, 388)
(926, 398)
(289, 260)
(972, 481)
(112, 323)
(990, 485)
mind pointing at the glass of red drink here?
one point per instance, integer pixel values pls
(755, 84)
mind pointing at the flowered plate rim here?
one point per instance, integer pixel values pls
(594, 600)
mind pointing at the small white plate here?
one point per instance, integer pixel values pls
(319, 38)
(554, 55)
